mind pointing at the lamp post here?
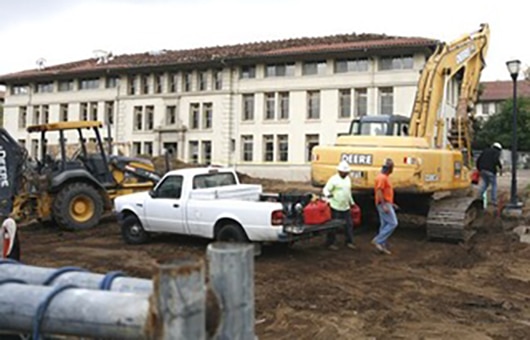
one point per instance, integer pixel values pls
(514, 68)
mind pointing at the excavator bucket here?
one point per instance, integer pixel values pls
(12, 158)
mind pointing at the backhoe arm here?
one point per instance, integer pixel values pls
(465, 57)
(12, 161)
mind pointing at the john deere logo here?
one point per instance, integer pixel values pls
(356, 159)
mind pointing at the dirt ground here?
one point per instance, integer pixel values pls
(424, 290)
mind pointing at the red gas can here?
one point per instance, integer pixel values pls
(356, 215)
(317, 212)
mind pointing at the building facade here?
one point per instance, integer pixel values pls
(260, 107)
(494, 93)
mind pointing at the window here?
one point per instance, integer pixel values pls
(44, 87)
(386, 100)
(66, 85)
(202, 77)
(186, 81)
(248, 72)
(283, 148)
(213, 180)
(36, 115)
(217, 79)
(345, 103)
(310, 142)
(486, 108)
(171, 187)
(137, 148)
(171, 148)
(268, 148)
(248, 107)
(194, 116)
(159, 78)
(112, 82)
(279, 70)
(109, 113)
(351, 65)
(207, 112)
(138, 118)
(313, 104)
(63, 112)
(396, 63)
(148, 148)
(361, 102)
(284, 105)
(172, 82)
(83, 111)
(35, 147)
(94, 111)
(22, 143)
(144, 83)
(19, 89)
(269, 106)
(22, 117)
(194, 152)
(206, 152)
(45, 114)
(89, 84)
(247, 150)
(314, 67)
(131, 83)
(171, 115)
(149, 117)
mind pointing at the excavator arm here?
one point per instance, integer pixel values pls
(461, 60)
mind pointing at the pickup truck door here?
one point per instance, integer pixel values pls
(164, 210)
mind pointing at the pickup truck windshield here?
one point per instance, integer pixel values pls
(213, 180)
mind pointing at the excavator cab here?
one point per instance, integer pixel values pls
(380, 125)
(70, 189)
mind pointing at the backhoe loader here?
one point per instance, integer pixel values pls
(434, 158)
(74, 191)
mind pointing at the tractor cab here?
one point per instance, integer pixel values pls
(379, 125)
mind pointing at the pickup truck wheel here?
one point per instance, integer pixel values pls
(132, 231)
(231, 233)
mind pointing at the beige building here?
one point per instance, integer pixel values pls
(494, 93)
(259, 106)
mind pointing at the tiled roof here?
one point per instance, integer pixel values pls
(501, 90)
(288, 47)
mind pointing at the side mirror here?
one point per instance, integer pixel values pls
(152, 193)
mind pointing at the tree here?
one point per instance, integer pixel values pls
(498, 128)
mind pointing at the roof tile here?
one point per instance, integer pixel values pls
(333, 43)
(502, 90)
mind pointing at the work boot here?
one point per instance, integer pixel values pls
(333, 247)
(351, 246)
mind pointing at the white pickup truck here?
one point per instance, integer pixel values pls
(212, 203)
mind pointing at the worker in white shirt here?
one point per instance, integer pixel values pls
(338, 192)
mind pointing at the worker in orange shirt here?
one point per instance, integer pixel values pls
(384, 201)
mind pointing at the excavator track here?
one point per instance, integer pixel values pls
(451, 218)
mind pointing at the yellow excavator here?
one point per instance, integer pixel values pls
(71, 191)
(433, 160)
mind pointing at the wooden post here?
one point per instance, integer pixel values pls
(77, 312)
(177, 308)
(38, 275)
(231, 274)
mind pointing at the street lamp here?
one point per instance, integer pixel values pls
(514, 67)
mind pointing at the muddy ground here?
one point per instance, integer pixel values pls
(424, 290)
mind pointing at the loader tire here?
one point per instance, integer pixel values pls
(78, 206)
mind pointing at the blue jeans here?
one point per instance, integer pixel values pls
(489, 178)
(348, 226)
(388, 222)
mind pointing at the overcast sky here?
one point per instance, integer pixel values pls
(67, 30)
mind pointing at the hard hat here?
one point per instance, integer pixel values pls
(497, 145)
(343, 167)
